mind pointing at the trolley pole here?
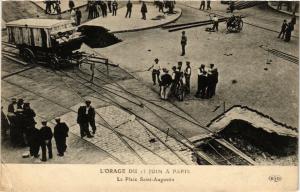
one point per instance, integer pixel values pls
(92, 67)
(106, 63)
(167, 134)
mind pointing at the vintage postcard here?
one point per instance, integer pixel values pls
(149, 95)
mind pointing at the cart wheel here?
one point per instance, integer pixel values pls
(54, 62)
(241, 25)
(28, 55)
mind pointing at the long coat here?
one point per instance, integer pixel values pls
(82, 117)
(61, 130)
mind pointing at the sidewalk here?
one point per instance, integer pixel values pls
(274, 6)
(118, 24)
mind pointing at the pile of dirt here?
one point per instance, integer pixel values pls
(98, 37)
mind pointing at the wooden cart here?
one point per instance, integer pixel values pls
(51, 40)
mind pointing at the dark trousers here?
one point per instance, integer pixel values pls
(208, 6)
(209, 92)
(214, 89)
(128, 13)
(61, 145)
(282, 32)
(155, 74)
(114, 12)
(161, 8)
(144, 15)
(84, 129)
(93, 125)
(216, 26)
(183, 49)
(187, 83)
(44, 147)
(90, 16)
(78, 21)
(34, 149)
(202, 6)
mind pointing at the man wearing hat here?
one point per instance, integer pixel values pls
(61, 131)
(187, 76)
(155, 71)
(11, 106)
(209, 81)
(5, 126)
(86, 116)
(202, 82)
(183, 43)
(20, 104)
(21, 129)
(29, 115)
(166, 81)
(34, 141)
(215, 76)
(46, 136)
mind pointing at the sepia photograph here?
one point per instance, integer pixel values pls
(181, 83)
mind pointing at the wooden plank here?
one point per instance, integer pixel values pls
(205, 157)
(235, 150)
(16, 60)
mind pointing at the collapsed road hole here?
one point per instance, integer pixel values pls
(256, 140)
(258, 136)
(97, 37)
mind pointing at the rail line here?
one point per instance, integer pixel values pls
(190, 145)
(116, 132)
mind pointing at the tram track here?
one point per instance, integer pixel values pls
(202, 155)
(116, 132)
(190, 145)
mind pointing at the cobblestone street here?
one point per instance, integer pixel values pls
(135, 126)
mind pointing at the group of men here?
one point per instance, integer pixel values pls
(179, 80)
(52, 7)
(286, 29)
(94, 8)
(202, 5)
(21, 125)
(161, 4)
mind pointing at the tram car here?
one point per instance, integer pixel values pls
(49, 40)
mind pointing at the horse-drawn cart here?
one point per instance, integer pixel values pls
(50, 40)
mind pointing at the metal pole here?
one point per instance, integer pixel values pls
(224, 106)
(106, 63)
(167, 134)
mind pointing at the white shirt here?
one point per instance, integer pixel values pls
(188, 71)
(156, 66)
(87, 110)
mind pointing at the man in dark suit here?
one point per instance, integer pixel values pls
(11, 106)
(144, 10)
(109, 6)
(34, 141)
(202, 5)
(86, 116)
(183, 43)
(61, 131)
(129, 9)
(114, 8)
(46, 136)
(283, 29)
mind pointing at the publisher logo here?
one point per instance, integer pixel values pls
(275, 178)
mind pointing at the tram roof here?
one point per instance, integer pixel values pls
(37, 23)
